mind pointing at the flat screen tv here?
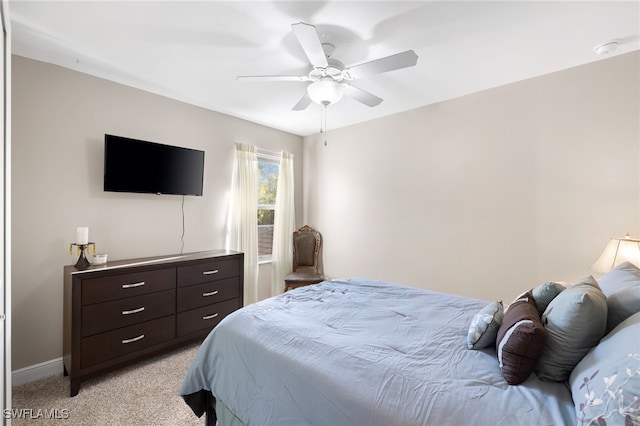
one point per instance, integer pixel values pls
(132, 165)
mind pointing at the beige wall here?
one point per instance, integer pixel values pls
(485, 195)
(59, 121)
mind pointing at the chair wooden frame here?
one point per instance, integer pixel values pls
(304, 275)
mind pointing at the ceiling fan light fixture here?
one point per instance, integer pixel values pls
(325, 92)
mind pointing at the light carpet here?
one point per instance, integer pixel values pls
(145, 393)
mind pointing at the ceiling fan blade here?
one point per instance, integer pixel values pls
(310, 41)
(303, 103)
(361, 95)
(388, 63)
(273, 77)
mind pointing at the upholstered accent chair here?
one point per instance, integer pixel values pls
(307, 243)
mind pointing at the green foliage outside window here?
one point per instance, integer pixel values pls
(267, 187)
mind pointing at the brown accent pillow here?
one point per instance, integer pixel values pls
(520, 339)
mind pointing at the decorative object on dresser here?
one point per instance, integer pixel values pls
(100, 259)
(82, 243)
(307, 243)
(131, 309)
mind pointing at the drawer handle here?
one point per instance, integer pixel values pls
(208, 317)
(211, 293)
(134, 339)
(133, 311)
(215, 271)
(140, 284)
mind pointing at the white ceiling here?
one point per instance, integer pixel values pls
(193, 50)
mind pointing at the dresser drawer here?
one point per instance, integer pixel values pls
(194, 296)
(96, 290)
(210, 271)
(101, 317)
(127, 340)
(206, 317)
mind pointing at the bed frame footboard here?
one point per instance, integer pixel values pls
(210, 410)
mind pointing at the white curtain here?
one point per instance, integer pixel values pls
(242, 232)
(284, 225)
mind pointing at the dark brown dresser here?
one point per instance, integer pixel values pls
(127, 310)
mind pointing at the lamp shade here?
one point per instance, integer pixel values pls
(618, 250)
(325, 92)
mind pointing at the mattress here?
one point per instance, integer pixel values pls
(363, 352)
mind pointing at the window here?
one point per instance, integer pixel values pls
(268, 169)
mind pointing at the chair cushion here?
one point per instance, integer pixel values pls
(305, 249)
(302, 276)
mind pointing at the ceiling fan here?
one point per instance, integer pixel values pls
(329, 78)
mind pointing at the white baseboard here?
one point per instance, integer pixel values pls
(36, 372)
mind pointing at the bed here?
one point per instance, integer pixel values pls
(364, 352)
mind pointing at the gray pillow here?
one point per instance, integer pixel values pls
(606, 381)
(575, 322)
(484, 326)
(621, 305)
(545, 293)
(622, 276)
(621, 285)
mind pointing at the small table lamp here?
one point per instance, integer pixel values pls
(618, 250)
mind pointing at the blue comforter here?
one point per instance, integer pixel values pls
(363, 352)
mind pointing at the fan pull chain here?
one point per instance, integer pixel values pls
(323, 125)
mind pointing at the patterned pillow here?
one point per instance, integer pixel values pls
(606, 383)
(545, 293)
(575, 322)
(484, 326)
(520, 340)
